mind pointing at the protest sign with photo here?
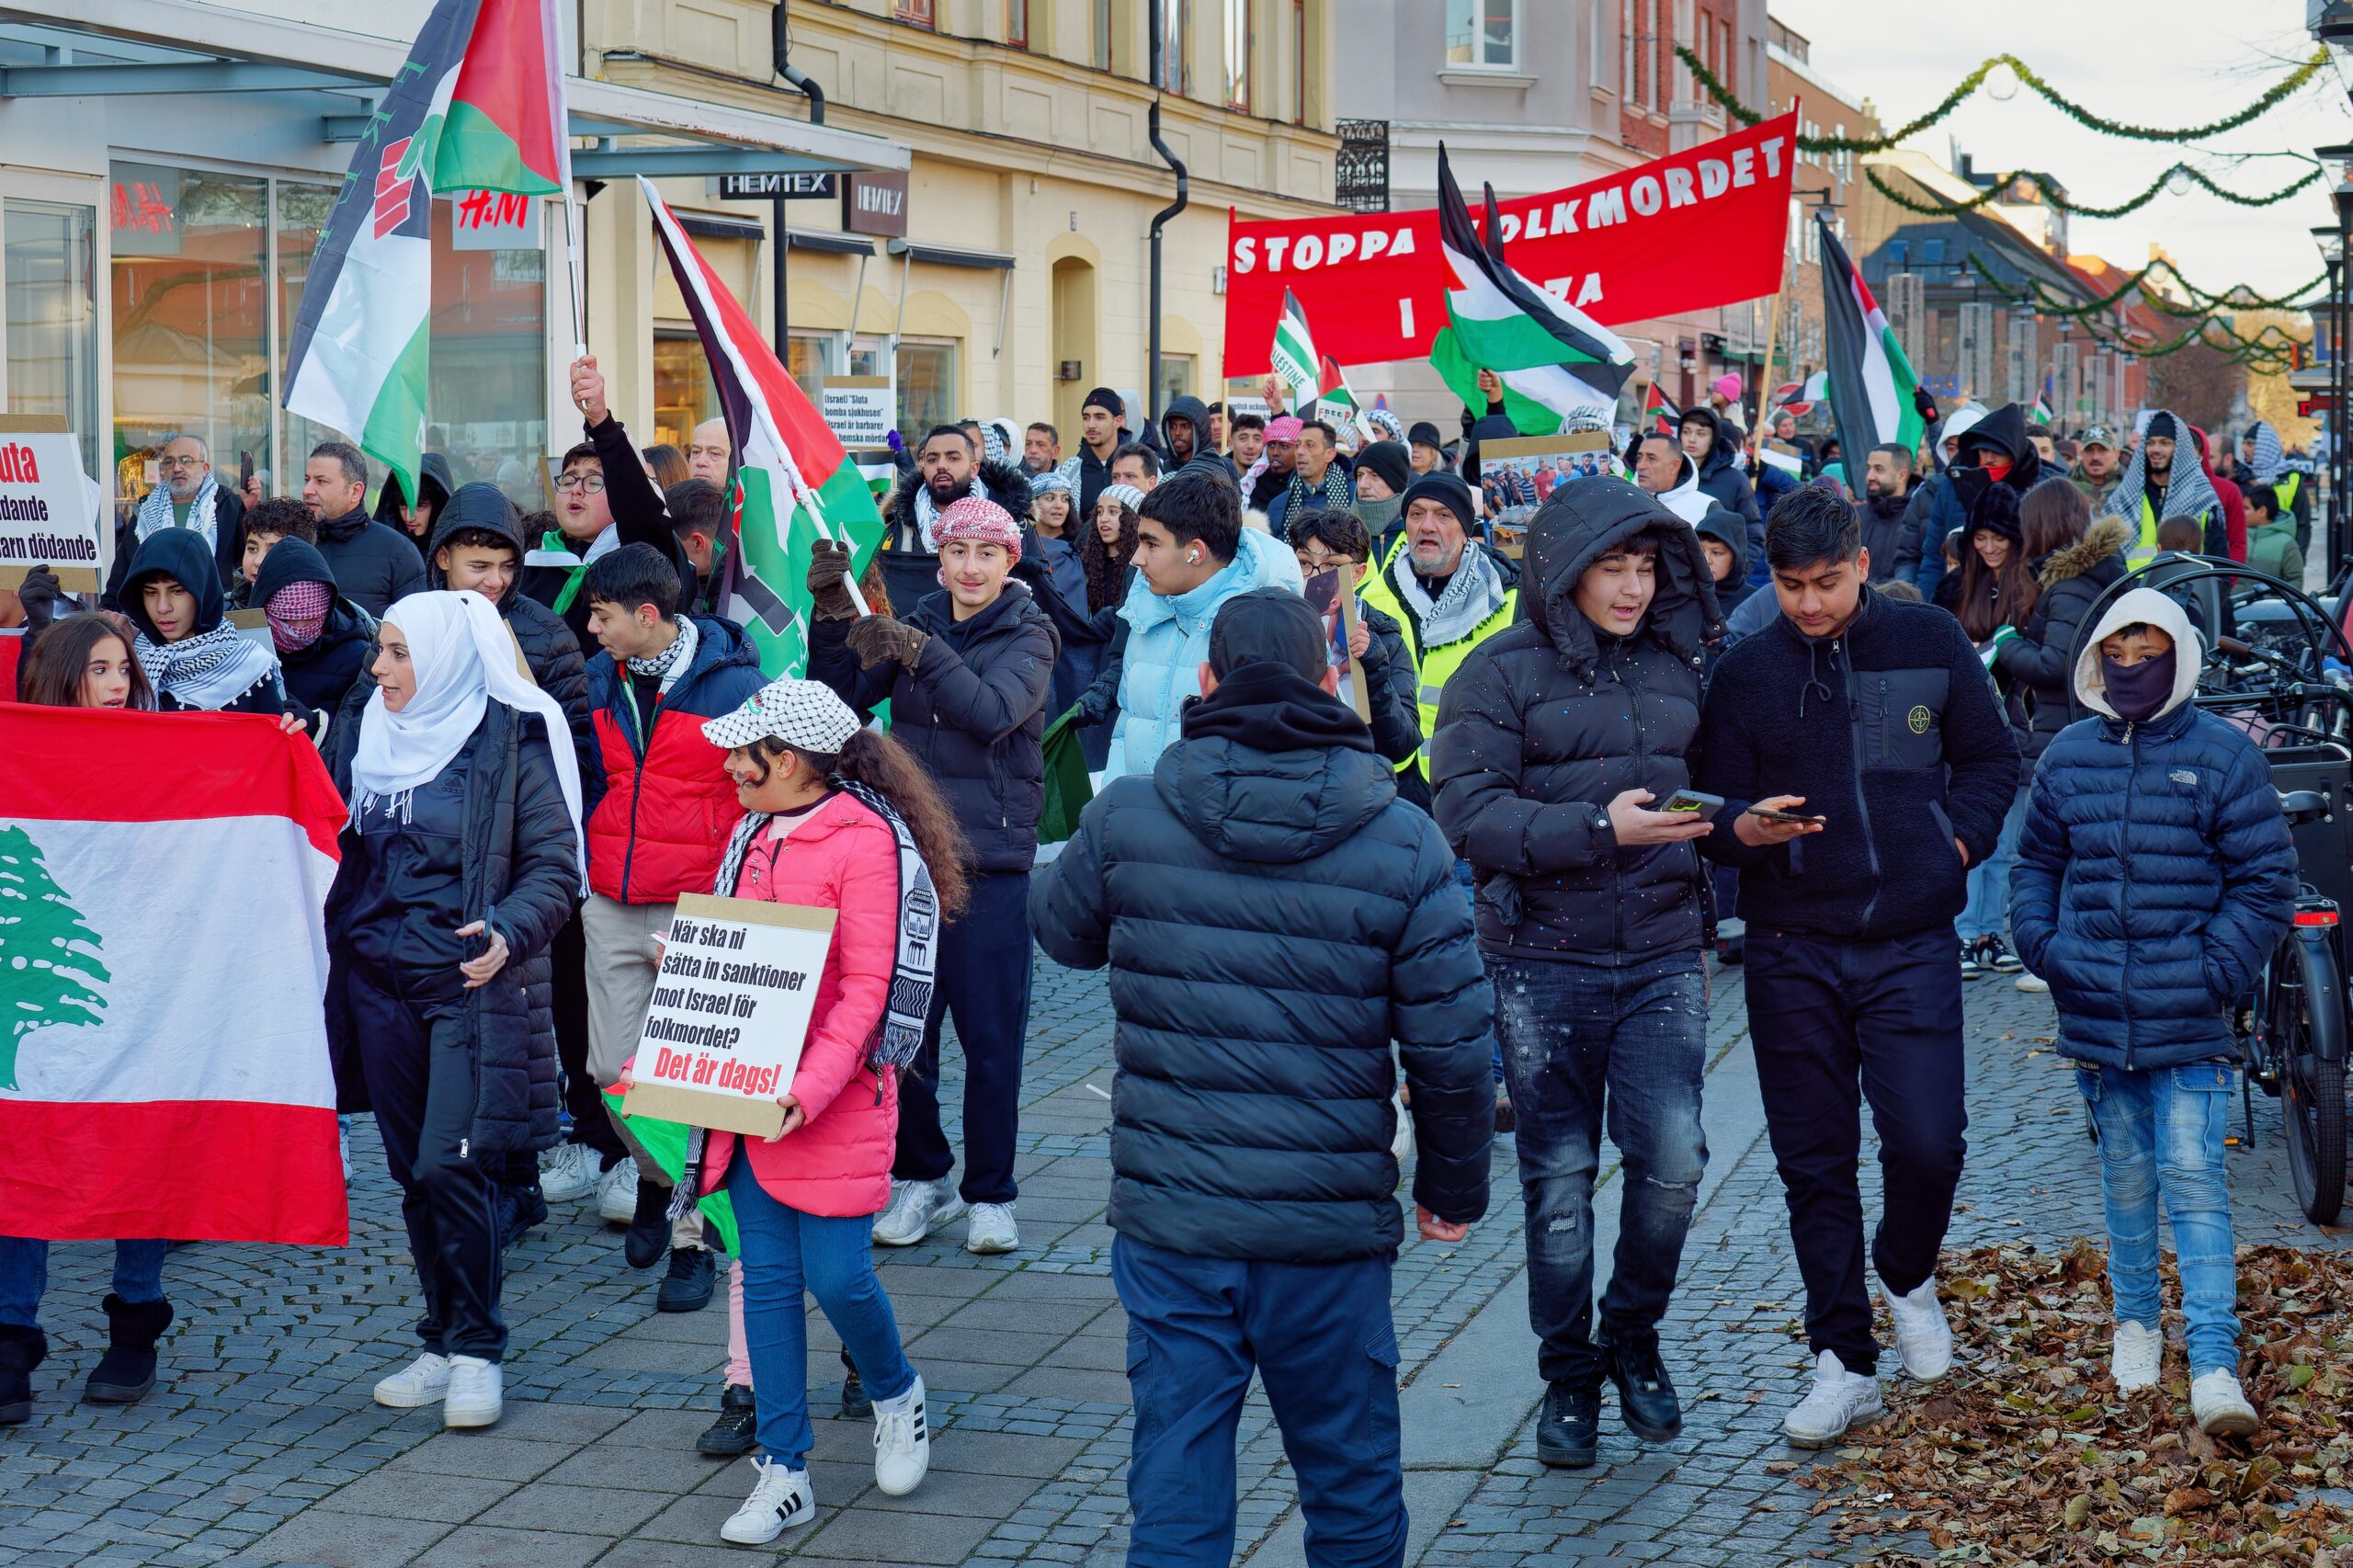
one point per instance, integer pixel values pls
(48, 515)
(730, 1013)
(1336, 603)
(1524, 470)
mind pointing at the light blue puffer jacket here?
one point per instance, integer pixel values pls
(1167, 639)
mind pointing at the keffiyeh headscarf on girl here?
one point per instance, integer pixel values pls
(212, 666)
(461, 656)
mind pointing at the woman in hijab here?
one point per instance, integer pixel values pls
(193, 657)
(461, 860)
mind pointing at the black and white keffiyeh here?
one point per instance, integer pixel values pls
(207, 671)
(155, 511)
(1475, 592)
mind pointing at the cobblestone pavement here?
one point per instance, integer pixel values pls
(262, 1445)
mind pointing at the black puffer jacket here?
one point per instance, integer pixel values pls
(973, 709)
(1549, 720)
(518, 853)
(2040, 661)
(373, 565)
(1273, 916)
(911, 573)
(547, 644)
(319, 677)
(1720, 471)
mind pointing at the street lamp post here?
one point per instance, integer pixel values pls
(2331, 241)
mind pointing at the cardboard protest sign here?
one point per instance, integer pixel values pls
(47, 515)
(1336, 603)
(730, 1014)
(1524, 470)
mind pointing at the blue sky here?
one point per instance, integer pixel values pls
(2163, 63)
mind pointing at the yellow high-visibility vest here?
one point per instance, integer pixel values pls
(1434, 667)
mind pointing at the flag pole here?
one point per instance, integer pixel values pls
(571, 247)
(1772, 341)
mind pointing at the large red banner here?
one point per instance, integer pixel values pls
(1697, 229)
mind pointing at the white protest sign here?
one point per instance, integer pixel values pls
(46, 516)
(730, 1013)
(862, 410)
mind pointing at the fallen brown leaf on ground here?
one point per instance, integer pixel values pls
(2027, 1453)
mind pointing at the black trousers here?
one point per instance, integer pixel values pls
(421, 1076)
(1835, 1023)
(982, 979)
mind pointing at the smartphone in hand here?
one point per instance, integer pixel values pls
(1769, 814)
(1691, 802)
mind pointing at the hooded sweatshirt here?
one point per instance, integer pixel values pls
(1195, 416)
(214, 668)
(2155, 870)
(2003, 431)
(433, 478)
(320, 674)
(1549, 720)
(1252, 1112)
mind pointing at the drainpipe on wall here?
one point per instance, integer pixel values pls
(1159, 219)
(781, 46)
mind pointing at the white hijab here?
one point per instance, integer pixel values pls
(462, 656)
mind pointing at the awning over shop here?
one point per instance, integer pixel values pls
(109, 48)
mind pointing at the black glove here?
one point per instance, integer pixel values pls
(877, 637)
(43, 597)
(1925, 403)
(829, 581)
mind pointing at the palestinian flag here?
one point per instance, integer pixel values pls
(2042, 414)
(1555, 362)
(1659, 415)
(1293, 354)
(1335, 401)
(1869, 383)
(795, 482)
(164, 1061)
(478, 106)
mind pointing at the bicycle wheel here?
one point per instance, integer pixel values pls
(2308, 1021)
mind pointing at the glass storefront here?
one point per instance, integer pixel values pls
(927, 387)
(683, 393)
(487, 404)
(301, 216)
(51, 285)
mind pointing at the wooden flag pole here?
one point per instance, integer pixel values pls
(1772, 341)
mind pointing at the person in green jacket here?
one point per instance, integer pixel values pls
(2271, 536)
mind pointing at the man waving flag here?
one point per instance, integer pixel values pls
(1870, 384)
(1555, 362)
(478, 106)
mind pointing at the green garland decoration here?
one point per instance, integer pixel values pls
(2271, 348)
(2205, 298)
(2278, 92)
(1936, 207)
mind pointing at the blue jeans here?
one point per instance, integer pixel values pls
(24, 1276)
(785, 1254)
(1469, 879)
(2161, 1133)
(1988, 909)
(1319, 1338)
(1583, 1043)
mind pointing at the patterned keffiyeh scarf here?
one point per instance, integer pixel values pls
(207, 671)
(297, 613)
(1335, 490)
(155, 511)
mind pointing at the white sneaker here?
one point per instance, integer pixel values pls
(992, 1229)
(916, 1208)
(1922, 1337)
(1840, 1400)
(2218, 1402)
(568, 1172)
(780, 1499)
(476, 1392)
(1400, 1143)
(901, 1442)
(617, 1193)
(422, 1382)
(2033, 984)
(2137, 1357)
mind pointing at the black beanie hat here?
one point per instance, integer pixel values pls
(1447, 490)
(1104, 397)
(1390, 461)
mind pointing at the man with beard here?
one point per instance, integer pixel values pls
(1281, 451)
(948, 468)
(2158, 483)
(1182, 429)
(189, 497)
(1887, 497)
(2098, 469)
(1042, 449)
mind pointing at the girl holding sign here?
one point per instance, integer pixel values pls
(842, 818)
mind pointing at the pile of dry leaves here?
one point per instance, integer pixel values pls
(2027, 1453)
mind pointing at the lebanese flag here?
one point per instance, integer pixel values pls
(795, 483)
(163, 1064)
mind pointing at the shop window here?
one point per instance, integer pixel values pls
(1176, 376)
(926, 370)
(684, 395)
(302, 215)
(52, 281)
(192, 316)
(810, 357)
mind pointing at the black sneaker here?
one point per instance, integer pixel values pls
(1568, 1429)
(737, 1430)
(856, 1406)
(1970, 968)
(1646, 1399)
(688, 1287)
(1732, 951)
(1995, 954)
(649, 1228)
(519, 1209)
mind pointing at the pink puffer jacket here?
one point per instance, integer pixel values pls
(839, 1165)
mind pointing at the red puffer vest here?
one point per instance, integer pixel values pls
(669, 807)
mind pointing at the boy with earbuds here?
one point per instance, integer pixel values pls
(1192, 555)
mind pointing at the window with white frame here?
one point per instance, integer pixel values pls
(1482, 34)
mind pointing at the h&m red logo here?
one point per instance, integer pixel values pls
(18, 466)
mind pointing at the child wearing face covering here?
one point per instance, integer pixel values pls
(2154, 873)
